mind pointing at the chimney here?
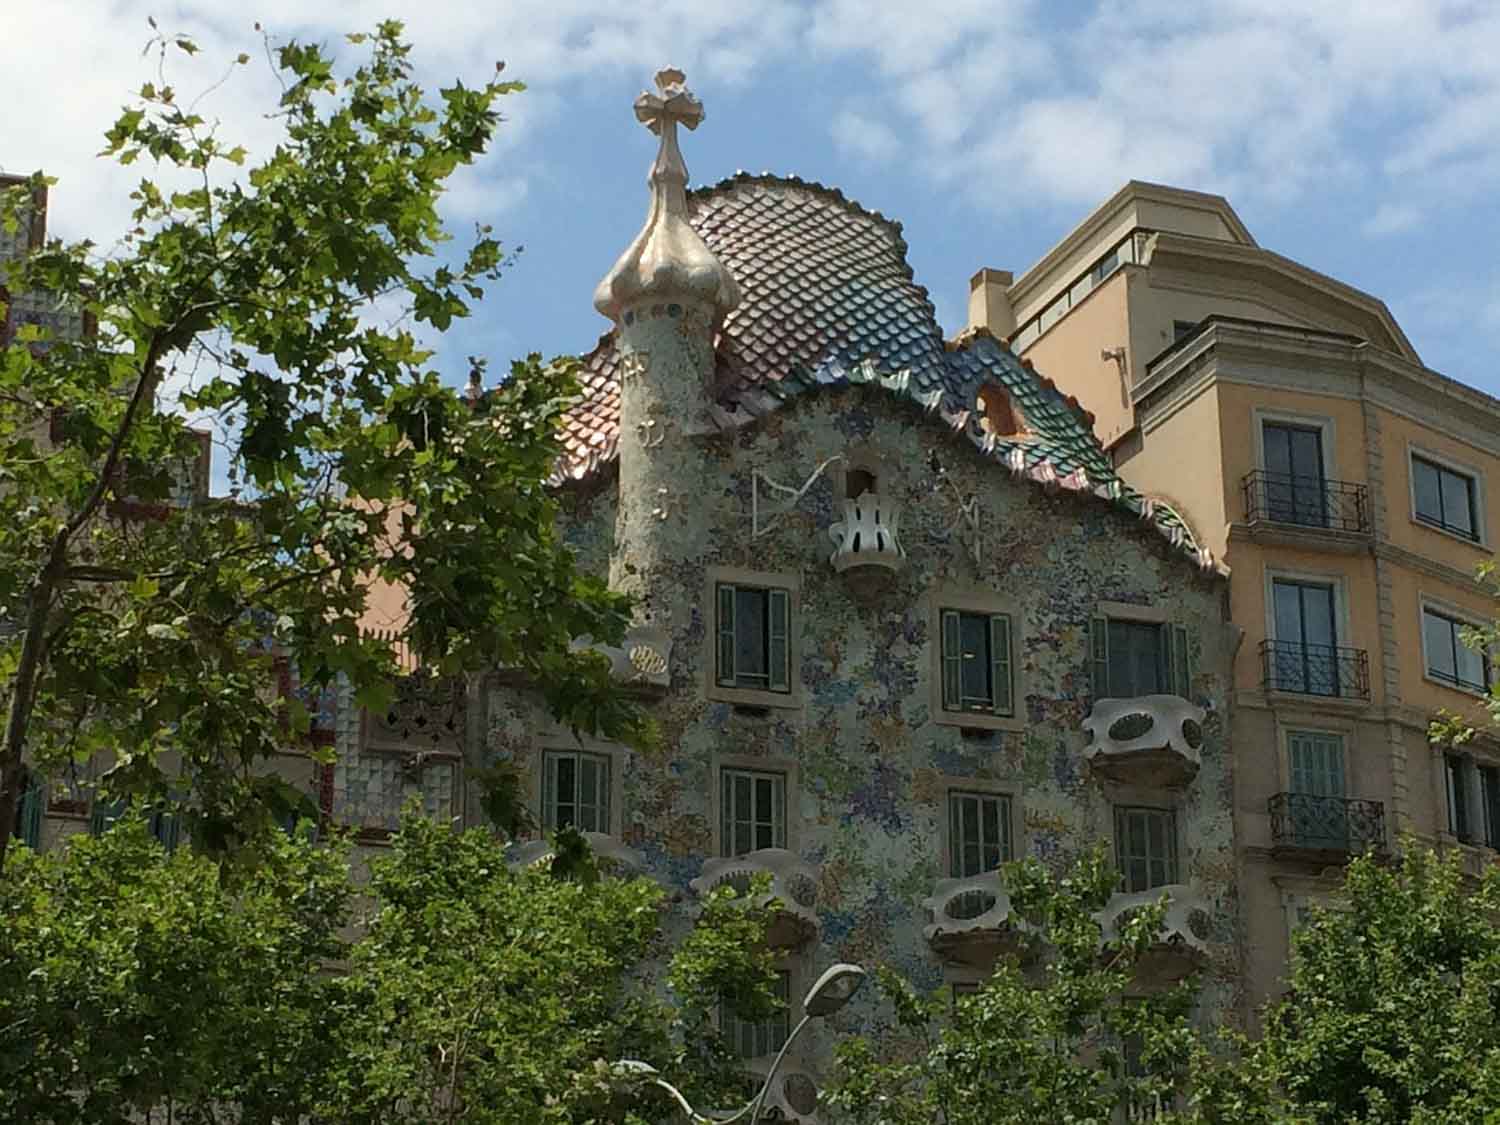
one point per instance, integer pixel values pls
(989, 302)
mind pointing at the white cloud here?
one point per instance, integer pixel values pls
(863, 136)
(1392, 218)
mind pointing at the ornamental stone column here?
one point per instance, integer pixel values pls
(667, 295)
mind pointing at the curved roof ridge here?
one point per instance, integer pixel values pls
(775, 179)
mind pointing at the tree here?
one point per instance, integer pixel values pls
(140, 986)
(134, 982)
(1393, 1013)
(141, 626)
(1045, 1038)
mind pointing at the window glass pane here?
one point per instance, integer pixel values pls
(1146, 840)
(750, 665)
(1458, 513)
(1470, 664)
(1429, 494)
(1437, 634)
(567, 791)
(974, 636)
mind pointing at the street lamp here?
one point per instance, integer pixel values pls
(835, 988)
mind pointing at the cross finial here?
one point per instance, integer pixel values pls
(660, 112)
(668, 256)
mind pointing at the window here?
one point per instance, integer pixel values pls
(575, 791)
(163, 825)
(753, 629)
(977, 663)
(751, 1039)
(978, 833)
(1294, 474)
(1444, 498)
(1489, 800)
(1135, 658)
(1458, 796)
(1315, 766)
(1448, 658)
(1305, 655)
(1182, 329)
(752, 811)
(1146, 847)
(961, 990)
(1105, 266)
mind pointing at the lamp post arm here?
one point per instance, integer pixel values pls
(760, 1098)
(693, 1115)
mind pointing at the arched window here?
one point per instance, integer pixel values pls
(997, 414)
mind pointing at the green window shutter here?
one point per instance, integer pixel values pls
(1178, 661)
(549, 791)
(726, 634)
(726, 813)
(104, 814)
(165, 827)
(953, 666)
(29, 814)
(1000, 672)
(1099, 655)
(778, 650)
(593, 780)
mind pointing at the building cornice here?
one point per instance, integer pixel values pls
(1196, 255)
(1106, 214)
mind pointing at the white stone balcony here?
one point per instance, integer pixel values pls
(1150, 740)
(793, 883)
(643, 660)
(608, 851)
(970, 920)
(1184, 944)
(867, 535)
(793, 1096)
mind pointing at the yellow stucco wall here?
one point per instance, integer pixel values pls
(1179, 463)
(1155, 308)
(1070, 355)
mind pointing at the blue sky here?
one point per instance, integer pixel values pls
(1359, 139)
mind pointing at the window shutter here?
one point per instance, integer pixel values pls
(1099, 653)
(1178, 656)
(600, 766)
(29, 814)
(105, 813)
(726, 813)
(953, 668)
(164, 826)
(1000, 674)
(726, 634)
(549, 791)
(778, 651)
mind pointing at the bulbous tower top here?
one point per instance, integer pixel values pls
(668, 259)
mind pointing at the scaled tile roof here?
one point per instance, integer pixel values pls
(829, 300)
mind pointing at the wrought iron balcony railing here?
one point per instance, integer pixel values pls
(1306, 501)
(1333, 824)
(1308, 669)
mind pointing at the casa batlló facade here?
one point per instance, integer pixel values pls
(899, 621)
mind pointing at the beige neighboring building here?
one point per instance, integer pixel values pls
(1351, 491)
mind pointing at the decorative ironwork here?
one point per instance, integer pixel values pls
(1331, 824)
(1309, 669)
(1306, 501)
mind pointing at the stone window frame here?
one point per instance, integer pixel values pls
(1009, 789)
(787, 767)
(557, 740)
(1148, 615)
(791, 582)
(790, 968)
(1288, 722)
(982, 601)
(1415, 451)
(1323, 423)
(1460, 616)
(1171, 809)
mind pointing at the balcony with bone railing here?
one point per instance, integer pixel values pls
(643, 660)
(794, 884)
(866, 538)
(609, 853)
(970, 920)
(1183, 947)
(1153, 740)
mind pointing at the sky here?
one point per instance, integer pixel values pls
(1361, 139)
